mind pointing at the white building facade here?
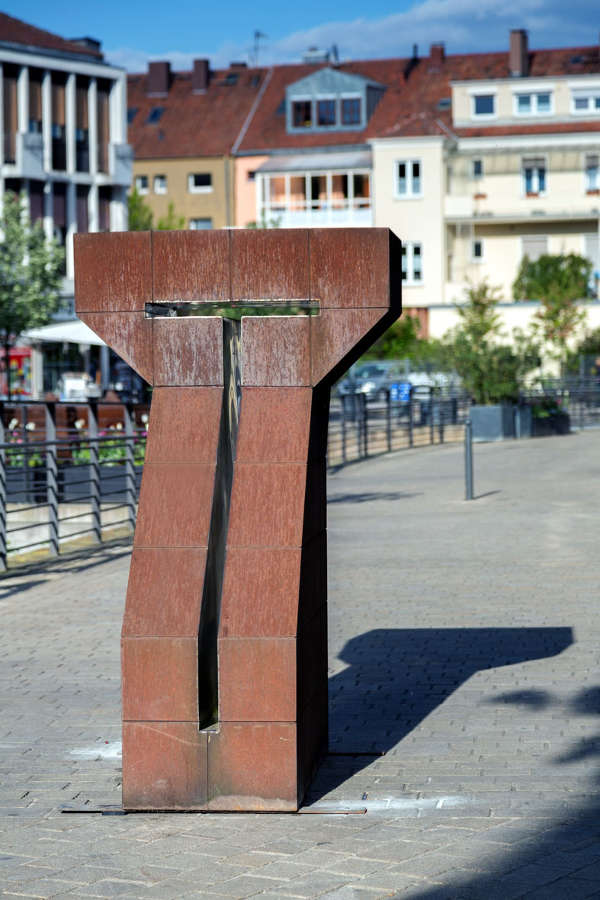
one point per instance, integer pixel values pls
(63, 115)
(506, 167)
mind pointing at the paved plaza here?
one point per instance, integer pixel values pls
(464, 704)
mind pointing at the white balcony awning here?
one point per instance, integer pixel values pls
(317, 162)
(74, 332)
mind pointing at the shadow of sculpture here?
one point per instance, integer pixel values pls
(556, 857)
(396, 677)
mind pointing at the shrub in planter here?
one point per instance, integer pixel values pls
(492, 372)
(549, 418)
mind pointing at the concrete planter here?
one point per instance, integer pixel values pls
(495, 422)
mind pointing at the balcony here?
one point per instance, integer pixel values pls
(333, 198)
(317, 215)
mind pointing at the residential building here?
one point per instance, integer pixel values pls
(304, 160)
(183, 127)
(488, 158)
(64, 139)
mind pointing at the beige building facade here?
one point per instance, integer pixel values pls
(201, 189)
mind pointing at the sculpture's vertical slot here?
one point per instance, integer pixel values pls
(208, 689)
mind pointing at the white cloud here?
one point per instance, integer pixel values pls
(464, 26)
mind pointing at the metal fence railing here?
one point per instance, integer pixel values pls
(71, 472)
(359, 428)
(68, 472)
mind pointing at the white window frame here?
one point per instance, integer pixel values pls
(203, 189)
(484, 117)
(587, 167)
(534, 111)
(410, 280)
(534, 193)
(138, 184)
(474, 258)
(410, 193)
(591, 94)
(157, 186)
(193, 227)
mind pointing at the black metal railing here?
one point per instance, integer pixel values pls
(61, 483)
(66, 465)
(360, 427)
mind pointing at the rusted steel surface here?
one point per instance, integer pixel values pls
(224, 643)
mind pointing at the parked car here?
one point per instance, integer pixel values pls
(373, 379)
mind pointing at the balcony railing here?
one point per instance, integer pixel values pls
(318, 214)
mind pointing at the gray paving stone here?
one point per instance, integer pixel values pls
(422, 589)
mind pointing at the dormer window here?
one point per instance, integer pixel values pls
(484, 106)
(302, 113)
(331, 99)
(585, 102)
(326, 112)
(533, 104)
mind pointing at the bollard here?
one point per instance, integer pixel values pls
(388, 419)
(468, 460)
(94, 471)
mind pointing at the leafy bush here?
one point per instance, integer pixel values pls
(491, 372)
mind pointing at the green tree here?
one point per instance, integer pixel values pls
(30, 275)
(171, 222)
(558, 282)
(584, 358)
(140, 214)
(402, 341)
(491, 371)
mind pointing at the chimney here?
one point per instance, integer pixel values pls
(159, 78)
(238, 65)
(200, 76)
(412, 62)
(437, 55)
(518, 55)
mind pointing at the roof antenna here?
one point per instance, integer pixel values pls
(258, 37)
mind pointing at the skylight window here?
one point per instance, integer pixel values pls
(231, 78)
(154, 115)
(131, 114)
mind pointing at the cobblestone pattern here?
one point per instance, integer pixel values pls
(463, 645)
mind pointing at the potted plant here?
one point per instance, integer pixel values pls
(492, 372)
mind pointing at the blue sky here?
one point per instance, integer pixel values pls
(135, 31)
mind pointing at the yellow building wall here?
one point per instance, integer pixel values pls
(216, 204)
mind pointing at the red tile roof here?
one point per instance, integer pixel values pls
(413, 109)
(192, 124)
(14, 31)
(267, 130)
(209, 124)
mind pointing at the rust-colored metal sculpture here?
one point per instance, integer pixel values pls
(224, 642)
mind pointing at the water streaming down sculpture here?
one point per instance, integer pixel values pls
(224, 641)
